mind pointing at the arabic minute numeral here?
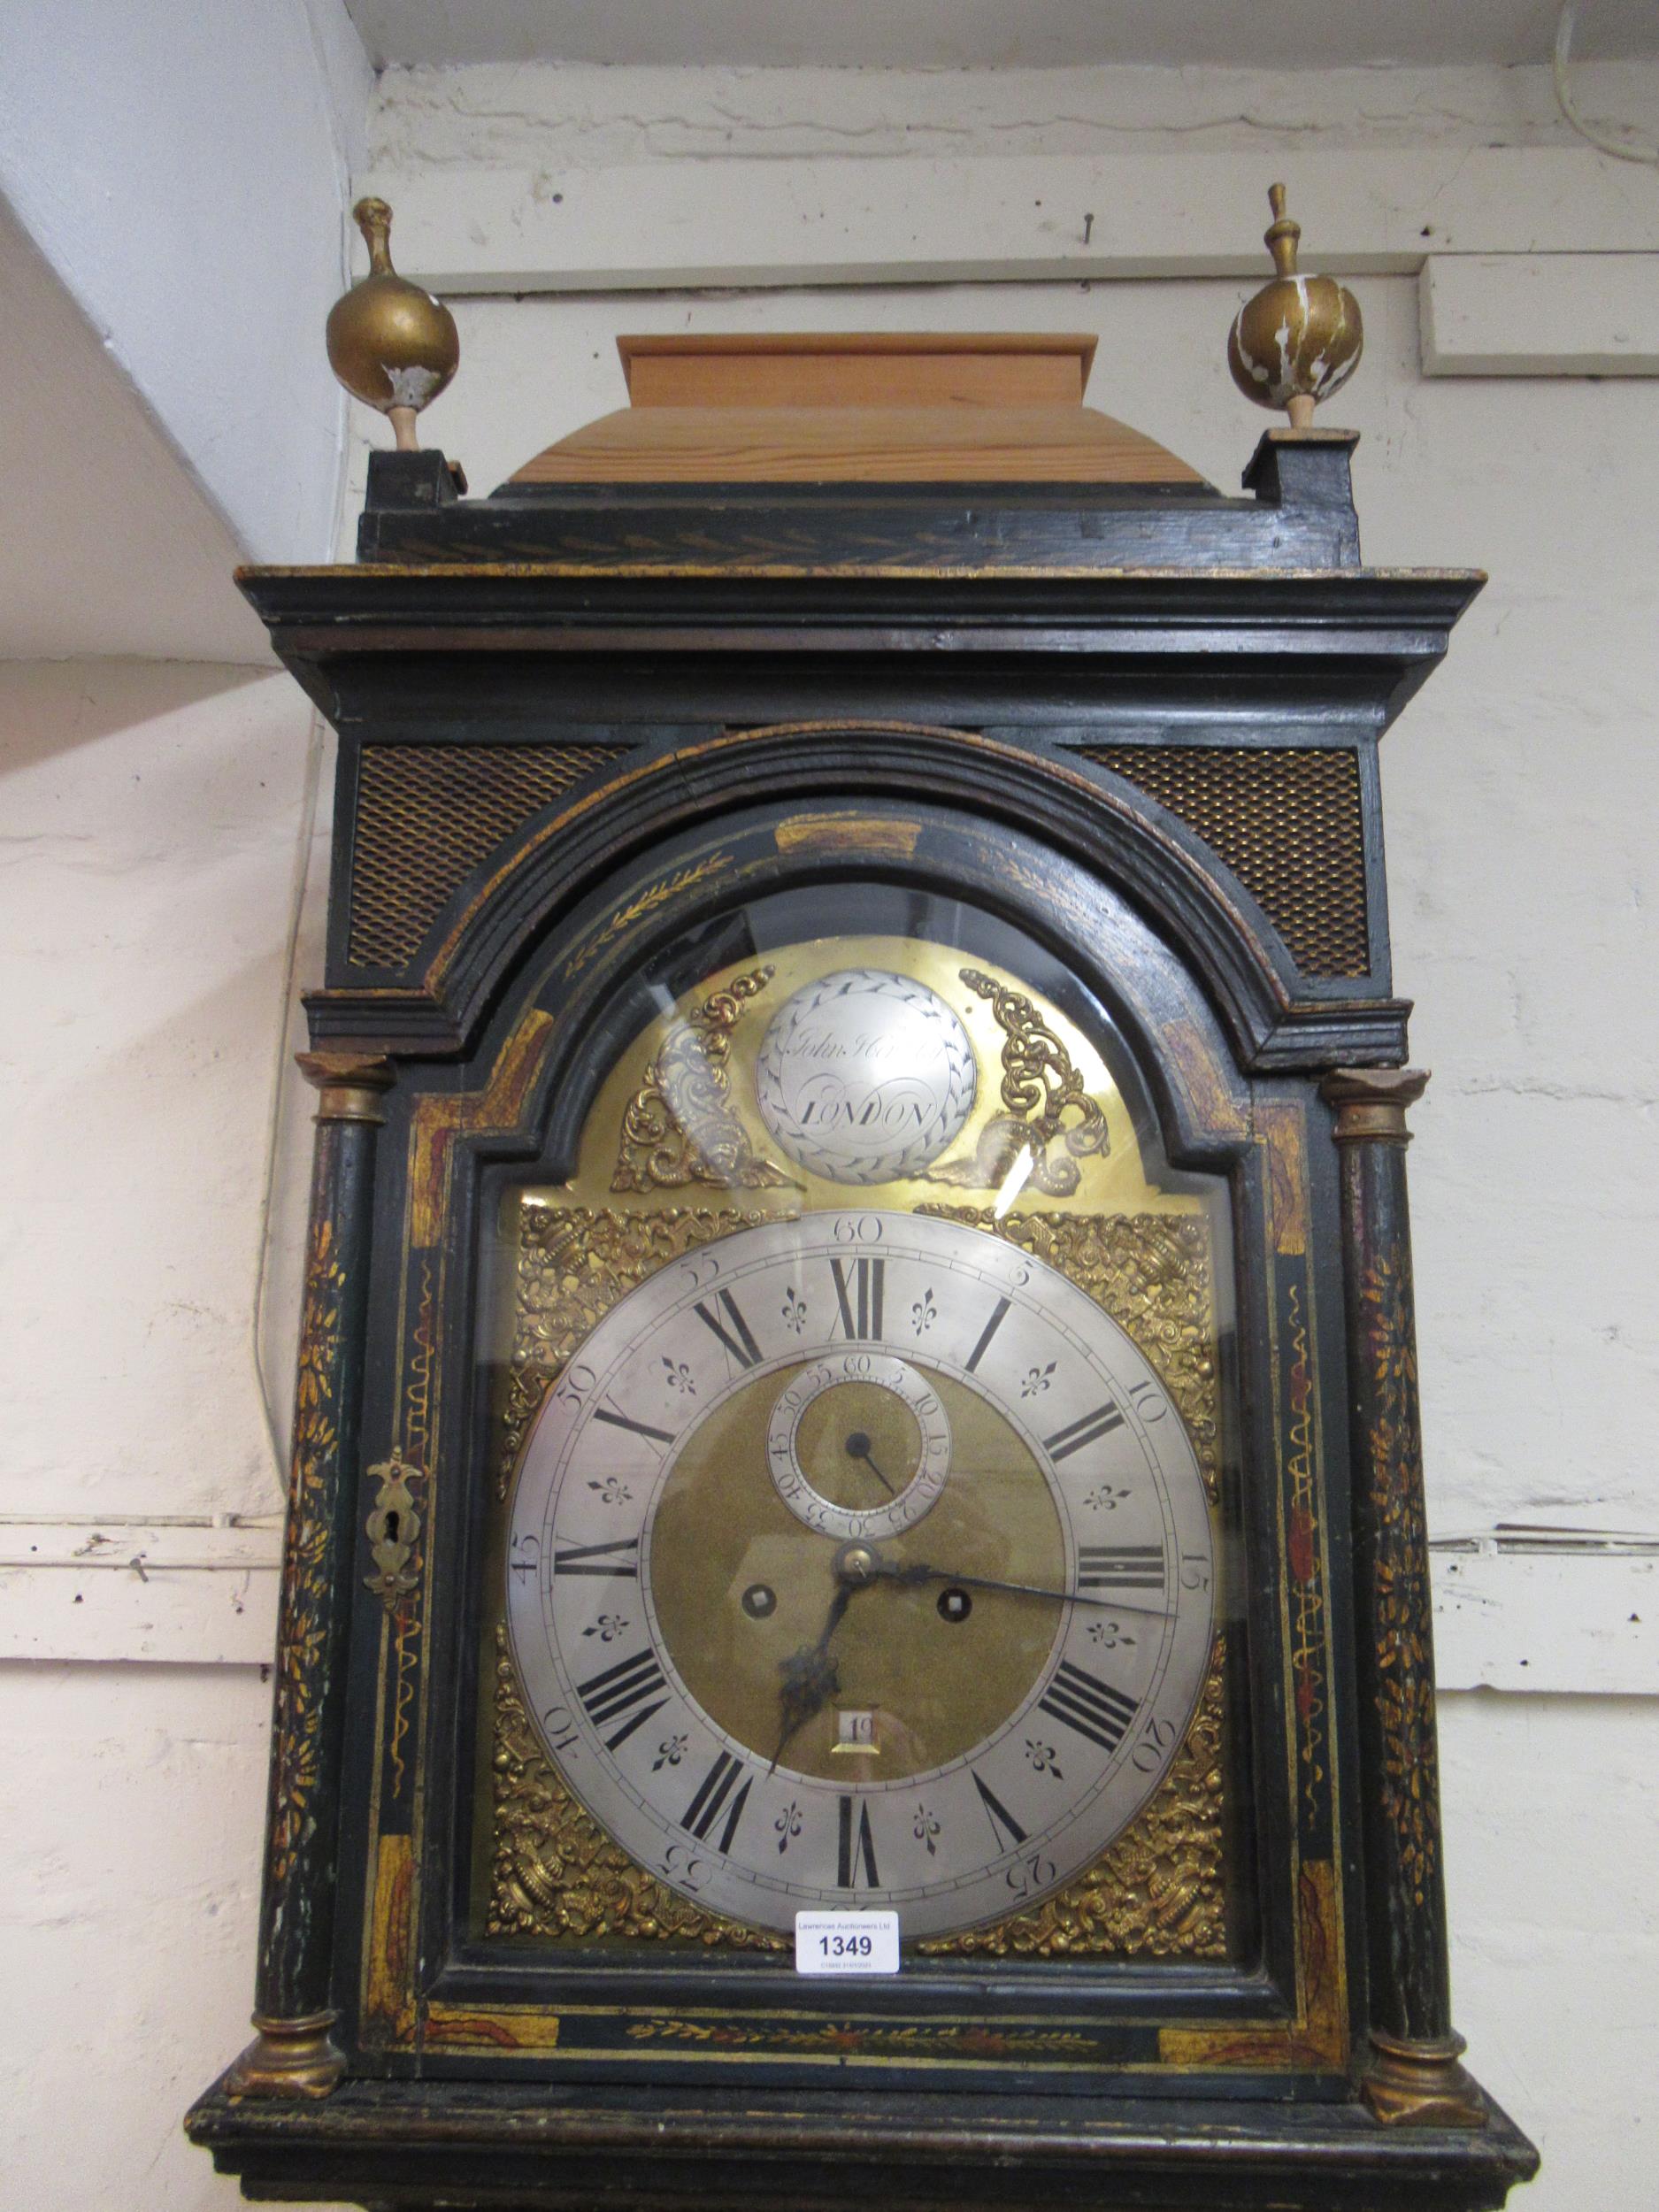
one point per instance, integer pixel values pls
(559, 1725)
(683, 1867)
(1034, 1872)
(578, 1381)
(1148, 1401)
(1157, 1740)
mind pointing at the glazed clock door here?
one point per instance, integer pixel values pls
(859, 1468)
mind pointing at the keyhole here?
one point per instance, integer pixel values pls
(391, 1528)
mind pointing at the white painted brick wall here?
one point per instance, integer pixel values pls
(147, 825)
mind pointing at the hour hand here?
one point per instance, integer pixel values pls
(810, 1676)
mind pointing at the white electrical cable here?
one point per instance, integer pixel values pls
(1621, 148)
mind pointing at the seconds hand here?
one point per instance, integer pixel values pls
(858, 1447)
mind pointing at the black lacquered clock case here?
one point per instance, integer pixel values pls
(857, 1350)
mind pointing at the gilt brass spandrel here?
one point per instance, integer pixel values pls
(573, 1264)
(1155, 1275)
(1049, 1124)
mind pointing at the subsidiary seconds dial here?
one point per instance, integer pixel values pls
(861, 1559)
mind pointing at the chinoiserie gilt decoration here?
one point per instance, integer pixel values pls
(1299, 339)
(391, 344)
(857, 1351)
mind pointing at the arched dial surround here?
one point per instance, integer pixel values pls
(950, 1711)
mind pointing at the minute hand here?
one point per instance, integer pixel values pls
(912, 1572)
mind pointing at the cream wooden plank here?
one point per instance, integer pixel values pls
(1555, 314)
(1555, 1610)
(185, 1592)
(1548, 1614)
(876, 221)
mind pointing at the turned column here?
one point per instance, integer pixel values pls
(1415, 2078)
(293, 2053)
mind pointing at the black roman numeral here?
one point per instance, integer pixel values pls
(600, 1559)
(1085, 1430)
(990, 1329)
(857, 1848)
(619, 1691)
(1093, 1709)
(627, 1421)
(739, 1340)
(1120, 1567)
(1004, 1827)
(713, 1792)
(858, 1293)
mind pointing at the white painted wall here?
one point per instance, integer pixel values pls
(185, 170)
(148, 819)
(111, 548)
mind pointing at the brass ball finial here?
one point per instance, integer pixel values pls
(1300, 339)
(392, 345)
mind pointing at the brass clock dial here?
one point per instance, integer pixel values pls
(860, 1559)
